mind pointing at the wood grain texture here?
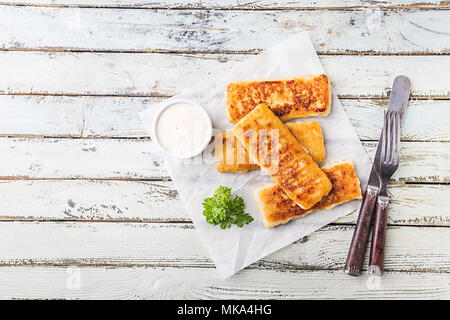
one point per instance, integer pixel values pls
(201, 283)
(82, 116)
(236, 4)
(94, 200)
(130, 244)
(66, 158)
(360, 31)
(136, 159)
(425, 120)
(158, 201)
(152, 74)
(83, 197)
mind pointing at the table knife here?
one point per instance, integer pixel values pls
(397, 102)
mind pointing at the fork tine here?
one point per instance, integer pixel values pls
(391, 138)
(394, 139)
(390, 142)
(383, 139)
(397, 138)
(388, 154)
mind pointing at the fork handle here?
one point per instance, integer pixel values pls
(377, 250)
(357, 249)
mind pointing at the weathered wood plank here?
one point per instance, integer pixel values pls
(67, 158)
(43, 115)
(135, 159)
(421, 205)
(357, 31)
(201, 283)
(177, 245)
(153, 74)
(426, 120)
(433, 154)
(236, 4)
(83, 116)
(94, 200)
(66, 116)
(414, 205)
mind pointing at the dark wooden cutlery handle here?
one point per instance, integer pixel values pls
(376, 262)
(357, 250)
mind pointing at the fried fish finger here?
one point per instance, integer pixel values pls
(301, 97)
(270, 143)
(277, 208)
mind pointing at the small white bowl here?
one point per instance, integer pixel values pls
(207, 135)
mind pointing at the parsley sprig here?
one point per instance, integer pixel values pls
(224, 209)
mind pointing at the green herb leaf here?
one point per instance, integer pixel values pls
(224, 209)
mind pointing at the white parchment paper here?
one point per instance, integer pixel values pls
(195, 179)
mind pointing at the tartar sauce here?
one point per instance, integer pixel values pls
(183, 129)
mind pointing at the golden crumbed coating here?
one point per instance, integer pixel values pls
(309, 134)
(231, 155)
(301, 97)
(276, 208)
(270, 143)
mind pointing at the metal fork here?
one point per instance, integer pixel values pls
(389, 161)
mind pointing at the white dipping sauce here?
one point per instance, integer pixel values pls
(183, 129)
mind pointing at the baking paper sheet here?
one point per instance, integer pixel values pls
(195, 179)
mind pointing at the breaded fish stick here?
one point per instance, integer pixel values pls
(231, 155)
(277, 208)
(270, 143)
(301, 97)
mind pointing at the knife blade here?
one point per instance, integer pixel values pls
(398, 101)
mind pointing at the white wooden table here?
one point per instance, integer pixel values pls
(87, 213)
